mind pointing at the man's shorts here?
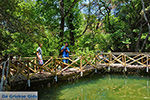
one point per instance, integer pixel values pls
(65, 60)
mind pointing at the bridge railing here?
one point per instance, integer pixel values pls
(28, 66)
(55, 65)
(128, 59)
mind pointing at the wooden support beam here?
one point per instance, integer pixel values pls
(69, 65)
(136, 60)
(116, 59)
(88, 62)
(35, 61)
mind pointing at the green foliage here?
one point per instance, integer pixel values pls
(88, 27)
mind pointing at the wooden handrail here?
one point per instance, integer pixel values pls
(52, 64)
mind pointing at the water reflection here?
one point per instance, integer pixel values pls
(109, 87)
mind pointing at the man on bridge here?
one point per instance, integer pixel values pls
(65, 52)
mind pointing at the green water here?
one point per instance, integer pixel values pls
(108, 87)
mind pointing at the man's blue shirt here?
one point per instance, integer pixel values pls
(65, 54)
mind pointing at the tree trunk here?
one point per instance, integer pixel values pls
(71, 28)
(148, 24)
(72, 39)
(62, 20)
(139, 38)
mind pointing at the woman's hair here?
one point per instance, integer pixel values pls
(39, 44)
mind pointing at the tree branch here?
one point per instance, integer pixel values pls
(74, 2)
(148, 24)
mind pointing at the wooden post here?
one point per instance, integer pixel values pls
(95, 63)
(81, 66)
(142, 59)
(123, 59)
(110, 58)
(95, 60)
(7, 72)
(2, 78)
(147, 69)
(55, 69)
(28, 76)
(8, 77)
(35, 67)
(125, 69)
(109, 62)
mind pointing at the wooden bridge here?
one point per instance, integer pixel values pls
(27, 69)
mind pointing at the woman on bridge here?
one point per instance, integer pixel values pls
(39, 55)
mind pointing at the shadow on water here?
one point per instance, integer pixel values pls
(106, 87)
